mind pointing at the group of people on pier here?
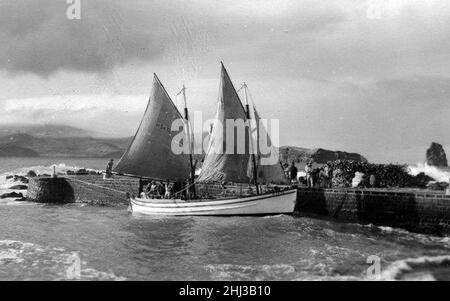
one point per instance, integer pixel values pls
(314, 177)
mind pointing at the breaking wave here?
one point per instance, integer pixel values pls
(38, 262)
(61, 168)
(438, 174)
(236, 272)
(228, 272)
(422, 268)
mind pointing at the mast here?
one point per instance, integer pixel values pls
(189, 135)
(247, 110)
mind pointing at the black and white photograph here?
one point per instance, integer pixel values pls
(225, 141)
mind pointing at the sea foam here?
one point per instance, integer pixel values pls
(415, 268)
(438, 174)
(52, 263)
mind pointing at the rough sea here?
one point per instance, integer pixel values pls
(80, 242)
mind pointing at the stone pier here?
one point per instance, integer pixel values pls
(50, 190)
(417, 211)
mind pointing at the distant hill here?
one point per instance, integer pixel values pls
(46, 130)
(67, 141)
(76, 147)
(17, 151)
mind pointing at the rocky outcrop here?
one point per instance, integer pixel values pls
(320, 155)
(19, 187)
(22, 179)
(323, 156)
(11, 195)
(436, 156)
(442, 186)
(31, 174)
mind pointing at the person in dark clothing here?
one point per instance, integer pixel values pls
(109, 168)
(293, 171)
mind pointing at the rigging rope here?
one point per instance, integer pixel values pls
(95, 185)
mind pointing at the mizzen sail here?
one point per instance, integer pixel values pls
(150, 153)
(268, 159)
(219, 164)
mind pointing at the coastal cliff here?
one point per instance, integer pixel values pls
(25, 145)
(318, 155)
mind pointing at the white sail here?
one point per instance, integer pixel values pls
(220, 166)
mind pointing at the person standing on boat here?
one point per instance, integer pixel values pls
(152, 190)
(293, 171)
(168, 192)
(109, 168)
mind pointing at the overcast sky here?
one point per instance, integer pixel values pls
(366, 76)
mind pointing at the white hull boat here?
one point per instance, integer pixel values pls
(266, 204)
(151, 156)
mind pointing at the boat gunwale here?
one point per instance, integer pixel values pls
(183, 204)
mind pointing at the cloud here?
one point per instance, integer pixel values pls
(335, 76)
(387, 121)
(39, 38)
(95, 112)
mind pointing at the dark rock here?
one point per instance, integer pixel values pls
(81, 172)
(440, 186)
(18, 187)
(422, 180)
(11, 195)
(436, 155)
(20, 179)
(9, 177)
(31, 174)
(45, 175)
(70, 173)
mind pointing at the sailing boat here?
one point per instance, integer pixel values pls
(151, 144)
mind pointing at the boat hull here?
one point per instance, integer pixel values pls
(276, 203)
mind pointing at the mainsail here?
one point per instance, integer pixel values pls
(150, 153)
(268, 161)
(219, 165)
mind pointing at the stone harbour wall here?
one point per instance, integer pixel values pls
(417, 211)
(93, 189)
(50, 190)
(414, 210)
